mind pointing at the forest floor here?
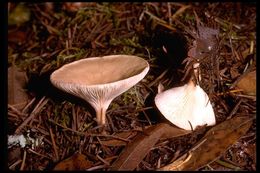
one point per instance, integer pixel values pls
(42, 37)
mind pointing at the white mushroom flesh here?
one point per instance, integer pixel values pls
(187, 106)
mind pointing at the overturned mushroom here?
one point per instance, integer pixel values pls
(99, 80)
(187, 106)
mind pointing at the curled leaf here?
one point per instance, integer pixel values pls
(215, 142)
(248, 83)
(138, 148)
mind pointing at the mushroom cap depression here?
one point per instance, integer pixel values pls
(98, 80)
(186, 106)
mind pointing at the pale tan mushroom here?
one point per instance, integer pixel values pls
(187, 106)
(99, 80)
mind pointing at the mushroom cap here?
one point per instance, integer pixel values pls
(188, 103)
(98, 80)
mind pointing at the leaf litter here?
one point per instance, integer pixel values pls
(50, 35)
(215, 142)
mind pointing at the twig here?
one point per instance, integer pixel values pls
(102, 160)
(230, 91)
(28, 105)
(228, 165)
(88, 134)
(221, 21)
(146, 116)
(169, 12)
(158, 165)
(54, 145)
(210, 167)
(37, 108)
(179, 11)
(38, 154)
(158, 78)
(16, 111)
(74, 119)
(160, 21)
(11, 167)
(24, 158)
(234, 109)
(69, 37)
(96, 167)
(73, 33)
(197, 146)
(111, 122)
(247, 96)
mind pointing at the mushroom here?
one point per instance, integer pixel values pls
(187, 106)
(98, 80)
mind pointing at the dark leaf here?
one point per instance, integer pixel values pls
(216, 141)
(248, 83)
(17, 80)
(138, 148)
(75, 162)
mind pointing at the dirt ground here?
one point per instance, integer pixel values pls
(42, 37)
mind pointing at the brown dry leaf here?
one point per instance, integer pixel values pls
(215, 142)
(17, 80)
(137, 149)
(248, 83)
(76, 162)
(18, 37)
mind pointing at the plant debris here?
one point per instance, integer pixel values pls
(42, 37)
(137, 149)
(212, 145)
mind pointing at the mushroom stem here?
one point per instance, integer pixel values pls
(101, 116)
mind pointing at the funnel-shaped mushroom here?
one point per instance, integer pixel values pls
(99, 80)
(187, 106)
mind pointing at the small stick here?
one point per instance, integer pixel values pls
(69, 37)
(74, 119)
(179, 11)
(158, 78)
(169, 12)
(24, 158)
(230, 91)
(111, 122)
(54, 145)
(96, 167)
(234, 109)
(247, 96)
(102, 160)
(37, 108)
(88, 134)
(146, 116)
(15, 164)
(28, 105)
(16, 111)
(38, 154)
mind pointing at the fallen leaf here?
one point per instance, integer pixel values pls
(247, 83)
(17, 80)
(14, 154)
(18, 37)
(215, 142)
(138, 148)
(76, 162)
